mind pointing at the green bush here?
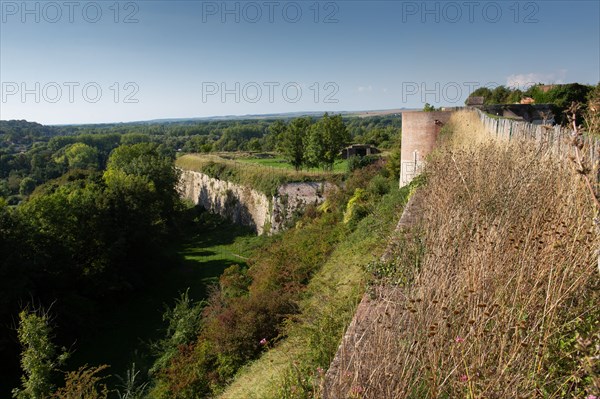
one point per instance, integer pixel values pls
(246, 308)
(358, 162)
(379, 185)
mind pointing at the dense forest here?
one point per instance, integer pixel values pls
(87, 214)
(31, 154)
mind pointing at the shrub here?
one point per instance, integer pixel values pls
(503, 303)
(85, 383)
(358, 162)
(39, 358)
(184, 322)
(246, 308)
(379, 186)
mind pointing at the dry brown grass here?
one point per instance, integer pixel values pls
(508, 277)
(464, 129)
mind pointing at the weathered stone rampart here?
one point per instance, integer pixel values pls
(249, 207)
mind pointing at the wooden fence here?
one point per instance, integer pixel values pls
(555, 138)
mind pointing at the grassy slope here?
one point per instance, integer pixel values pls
(332, 296)
(339, 166)
(252, 166)
(123, 336)
(504, 303)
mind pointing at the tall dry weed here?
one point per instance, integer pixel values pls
(506, 288)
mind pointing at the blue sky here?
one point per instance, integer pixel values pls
(109, 61)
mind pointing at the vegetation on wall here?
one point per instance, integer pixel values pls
(261, 178)
(295, 366)
(561, 96)
(496, 294)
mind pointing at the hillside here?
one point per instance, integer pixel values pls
(496, 291)
(493, 294)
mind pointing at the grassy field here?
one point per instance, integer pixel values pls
(124, 335)
(340, 165)
(249, 172)
(243, 160)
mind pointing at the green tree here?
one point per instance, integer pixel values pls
(325, 140)
(292, 141)
(481, 92)
(499, 95)
(27, 186)
(39, 358)
(515, 97)
(275, 135)
(254, 145)
(429, 108)
(81, 156)
(144, 165)
(314, 146)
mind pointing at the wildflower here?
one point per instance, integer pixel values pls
(591, 397)
(320, 370)
(459, 340)
(356, 390)
(463, 378)
(263, 341)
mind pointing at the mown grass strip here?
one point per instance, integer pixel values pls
(263, 178)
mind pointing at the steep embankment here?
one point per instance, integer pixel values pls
(241, 205)
(121, 338)
(260, 199)
(496, 293)
(295, 367)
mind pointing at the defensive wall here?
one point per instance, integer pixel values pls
(249, 207)
(420, 131)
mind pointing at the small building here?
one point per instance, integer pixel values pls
(537, 114)
(360, 150)
(475, 101)
(547, 88)
(527, 100)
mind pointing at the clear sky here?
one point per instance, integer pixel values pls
(109, 61)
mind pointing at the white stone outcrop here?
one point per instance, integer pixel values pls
(249, 207)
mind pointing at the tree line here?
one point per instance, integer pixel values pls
(309, 144)
(560, 96)
(86, 240)
(31, 154)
